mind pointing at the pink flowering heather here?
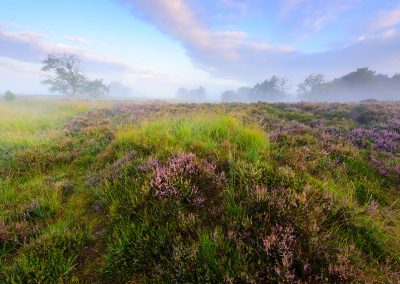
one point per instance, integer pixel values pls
(282, 245)
(383, 136)
(186, 178)
(288, 128)
(386, 166)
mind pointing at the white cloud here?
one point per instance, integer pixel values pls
(78, 39)
(30, 47)
(229, 54)
(387, 19)
(315, 14)
(24, 36)
(22, 52)
(390, 33)
(13, 72)
(177, 19)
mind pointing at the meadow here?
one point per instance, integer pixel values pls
(123, 192)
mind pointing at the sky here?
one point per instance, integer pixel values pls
(158, 46)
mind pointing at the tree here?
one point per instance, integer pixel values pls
(270, 90)
(117, 89)
(182, 93)
(396, 77)
(240, 95)
(228, 96)
(193, 95)
(282, 85)
(360, 76)
(68, 77)
(198, 94)
(311, 84)
(95, 88)
(9, 96)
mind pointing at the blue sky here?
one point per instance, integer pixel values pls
(157, 46)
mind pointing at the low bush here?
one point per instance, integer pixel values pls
(9, 96)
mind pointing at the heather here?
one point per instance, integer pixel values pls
(235, 193)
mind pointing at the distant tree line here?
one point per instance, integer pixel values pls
(191, 95)
(355, 86)
(272, 90)
(359, 85)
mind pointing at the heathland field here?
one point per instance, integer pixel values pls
(116, 192)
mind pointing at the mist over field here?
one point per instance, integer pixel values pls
(181, 141)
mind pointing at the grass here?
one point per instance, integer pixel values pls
(29, 122)
(222, 136)
(37, 225)
(203, 193)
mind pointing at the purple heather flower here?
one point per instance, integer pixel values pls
(180, 178)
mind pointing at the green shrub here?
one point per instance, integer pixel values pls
(9, 96)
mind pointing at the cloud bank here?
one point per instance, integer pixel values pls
(229, 53)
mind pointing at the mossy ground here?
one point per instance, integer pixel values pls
(107, 192)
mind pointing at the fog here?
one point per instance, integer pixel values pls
(359, 85)
(65, 75)
(363, 84)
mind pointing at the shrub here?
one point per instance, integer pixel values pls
(186, 178)
(9, 96)
(49, 258)
(380, 138)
